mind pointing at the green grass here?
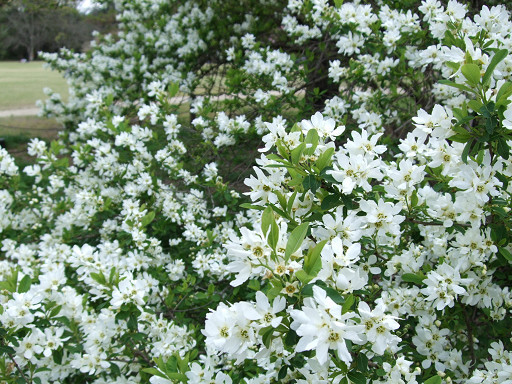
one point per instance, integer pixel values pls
(17, 132)
(22, 84)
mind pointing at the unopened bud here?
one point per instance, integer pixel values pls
(441, 374)
(437, 323)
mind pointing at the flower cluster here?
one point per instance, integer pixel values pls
(373, 242)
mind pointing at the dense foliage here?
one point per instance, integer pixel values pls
(371, 242)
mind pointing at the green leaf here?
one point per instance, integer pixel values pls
(330, 201)
(414, 278)
(460, 138)
(480, 157)
(61, 163)
(273, 236)
(461, 130)
(434, 380)
(25, 284)
(296, 153)
(281, 149)
(295, 128)
(98, 277)
(154, 372)
(278, 166)
(266, 335)
(173, 89)
(414, 198)
(471, 72)
(456, 85)
(252, 206)
(465, 151)
(132, 321)
(275, 291)
(503, 94)
(505, 253)
(296, 179)
(324, 159)
(356, 377)
(295, 240)
(279, 211)
(273, 156)
(338, 3)
(114, 368)
(289, 206)
(496, 59)
(313, 262)
(55, 311)
(109, 100)
(11, 282)
(334, 295)
(475, 105)
(503, 148)
(349, 302)
(7, 350)
(147, 219)
(281, 199)
(311, 142)
(177, 376)
(253, 284)
(311, 183)
(459, 113)
(362, 362)
(504, 179)
(452, 65)
(183, 364)
(490, 124)
(267, 218)
(303, 277)
(487, 109)
(282, 373)
(57, 356)
(113, 277)
(291, 338)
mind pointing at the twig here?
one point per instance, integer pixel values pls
(471, 344)
(16, 364)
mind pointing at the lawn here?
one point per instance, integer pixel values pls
(17, 131)
(22, 84)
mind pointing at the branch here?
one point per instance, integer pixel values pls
(471, 345)
(15, 363)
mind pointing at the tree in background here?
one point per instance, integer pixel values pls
(33, 25)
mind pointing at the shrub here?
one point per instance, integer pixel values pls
(370, 244)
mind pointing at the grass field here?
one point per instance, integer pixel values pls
(17, 131)
(22, 84)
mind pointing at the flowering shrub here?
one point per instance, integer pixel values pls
(372, 242)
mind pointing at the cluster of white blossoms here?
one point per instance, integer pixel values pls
(371, 145)
(356, 240)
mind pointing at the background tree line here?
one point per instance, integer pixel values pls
(29, 26)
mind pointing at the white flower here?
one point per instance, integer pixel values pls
(326, 128)
(264, 313)
(378, 327)
(444, 286)
(321, 327)
(129, 291)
